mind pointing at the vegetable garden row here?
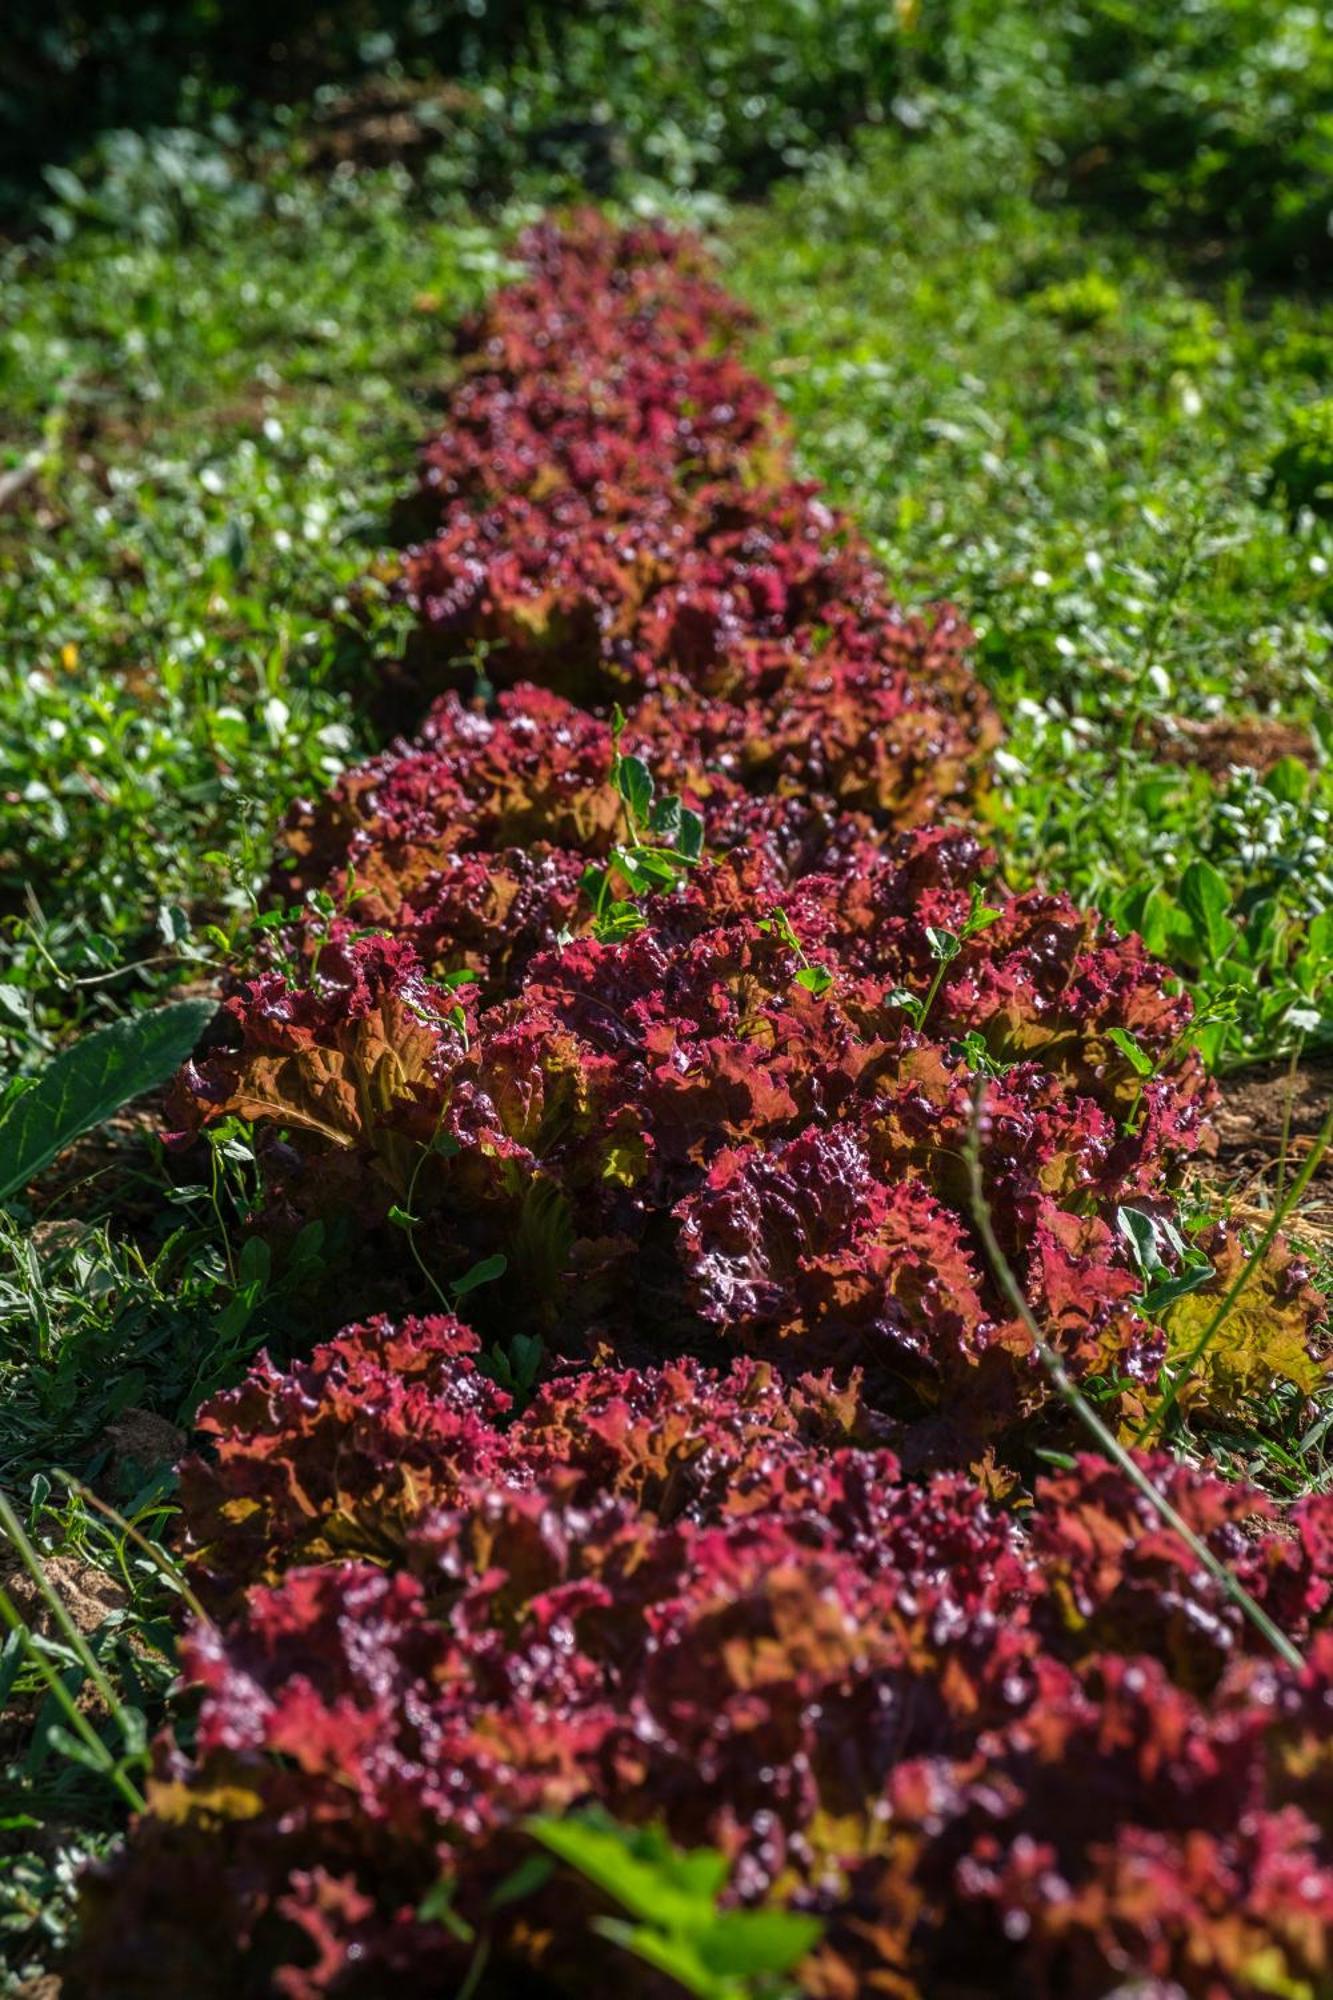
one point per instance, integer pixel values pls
(657, 1013)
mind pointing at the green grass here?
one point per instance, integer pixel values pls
(1043, 422)
(216, 416)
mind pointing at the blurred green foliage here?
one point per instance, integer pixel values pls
(1212, 119)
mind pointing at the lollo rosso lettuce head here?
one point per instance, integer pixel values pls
(710, 1599)
(674, 1140)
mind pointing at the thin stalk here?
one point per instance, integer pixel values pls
(74, 1715)
(1067, 1389)
(1284, 1144)
(472, 1978)
(932, 991)
(1238, 1284)
(74, 1639)
(410, 1229)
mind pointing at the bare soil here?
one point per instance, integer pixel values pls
(1233, 742)
(1267, 1120)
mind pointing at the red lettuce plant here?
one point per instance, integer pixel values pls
(703, 1599)
(674, 1136)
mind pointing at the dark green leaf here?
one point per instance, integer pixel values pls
(531, 1874)
(85, 1084)
(484, 1273)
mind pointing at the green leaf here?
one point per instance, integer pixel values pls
(981, 915)
(634, 782)
(531, 1874)
(437, 1907)
(1162, 1286)
(484, 1273)
(527, 1351)
(620, 919)
(1288, 780)
(1206, 899)
(815, 979)
(72, 1746)
(944, 945)
(87, 1083)
(1140, 1233)
(255, 1262)
(1192, 1278)
(647, 868)
(641, 1871)
(902, 996)
(1140, 1060)
(665, 820)
(12, 1657)
(746, 1943)
(690, 837)
(671, 1953)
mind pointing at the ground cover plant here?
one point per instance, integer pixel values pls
(768, 1197)
(716, 1091)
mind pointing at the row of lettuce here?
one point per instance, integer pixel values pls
(656, 1008)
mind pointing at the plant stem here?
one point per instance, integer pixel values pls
(1242, 1278)
(1067, 1389)
(932, 990)
(1284, 1145)
(74, 1639)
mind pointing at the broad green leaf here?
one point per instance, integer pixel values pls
(1289, 780)
(85, 1084)
(484, 1273)
(665, 822)
(1140, 1233)
(634, 782)
(643, 1874)
(673, 1953)
(690, 839)
(1207, 901)
(746, 1943)
(1139, 1058)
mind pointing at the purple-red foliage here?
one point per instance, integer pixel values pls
(668, 1134)
(1001, 1753)
(615, 518)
